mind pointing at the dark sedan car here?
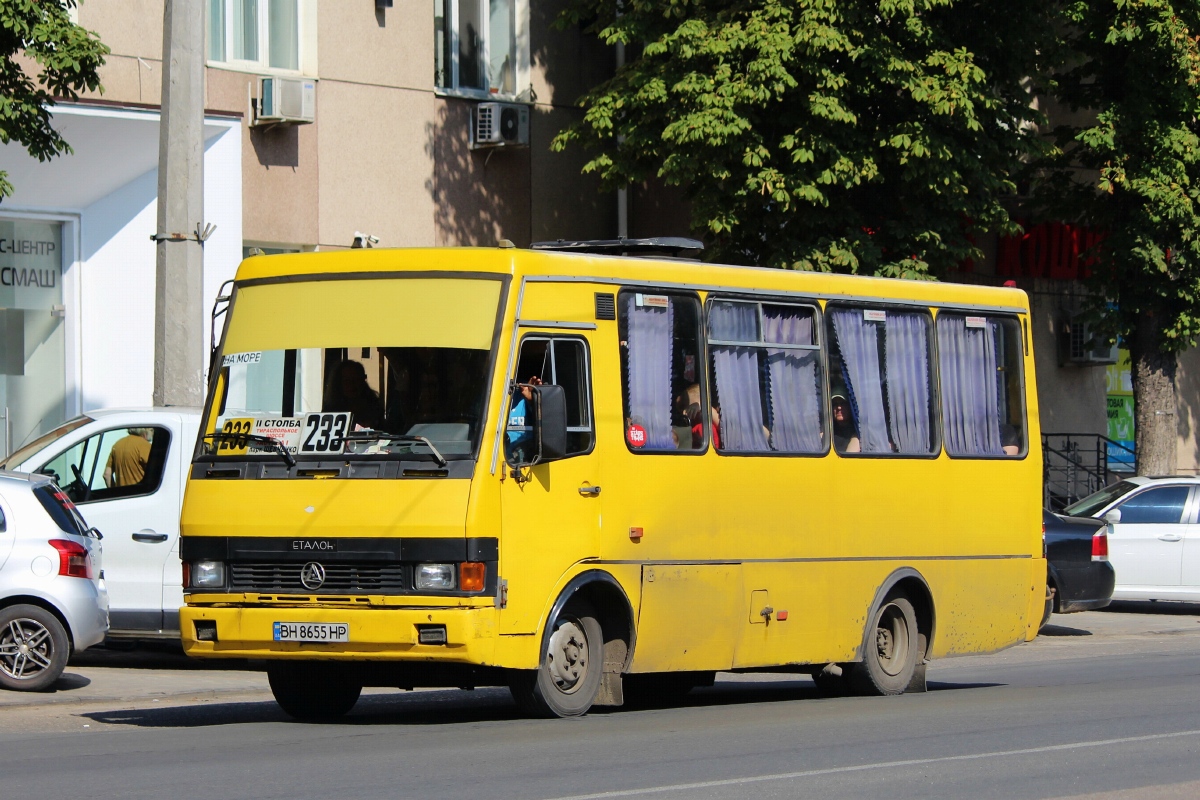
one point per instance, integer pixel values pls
(1079, 576)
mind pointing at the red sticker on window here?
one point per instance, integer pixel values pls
(636, 436)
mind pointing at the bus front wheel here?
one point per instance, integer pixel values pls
(313, 691)
(891, 649)
(568, 679)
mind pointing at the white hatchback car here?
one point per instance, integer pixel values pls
(52, 598)
(1153, 535)
(138, 513)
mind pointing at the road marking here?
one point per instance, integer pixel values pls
(914, 762)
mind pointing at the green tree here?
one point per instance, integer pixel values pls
(38, 36)
(840, 135)
(1132, 169)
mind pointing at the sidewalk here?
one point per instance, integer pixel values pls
(160, 673)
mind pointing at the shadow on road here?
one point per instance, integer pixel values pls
(152, 655)
(1168, 607)
(456, 706)
(1062, 630)
(69, 681)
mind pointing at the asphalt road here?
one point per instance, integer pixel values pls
(1106, 705)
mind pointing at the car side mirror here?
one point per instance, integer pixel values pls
(1113, 516)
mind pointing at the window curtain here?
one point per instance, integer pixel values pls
(736, 371)
(794, 389)
(650, 332)
(906, 355)
(967, 357)
(858, 341)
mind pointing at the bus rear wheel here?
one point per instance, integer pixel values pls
(566, 682)
(890, 651)
(313, 691)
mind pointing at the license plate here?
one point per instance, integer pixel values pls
(312, 632)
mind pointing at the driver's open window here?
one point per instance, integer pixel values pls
(122, 462)
(562, 362)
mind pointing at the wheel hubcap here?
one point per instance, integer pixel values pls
(891, 640)
(568, 656)
(26, 649)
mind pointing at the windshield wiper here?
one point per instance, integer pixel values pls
(241, 439)
(378, 436)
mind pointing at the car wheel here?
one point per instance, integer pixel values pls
(891, 650)
(33, 648)
(568, 679)
(313, 691)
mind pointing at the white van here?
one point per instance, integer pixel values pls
(137, 513)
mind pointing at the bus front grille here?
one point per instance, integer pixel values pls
(374, 578)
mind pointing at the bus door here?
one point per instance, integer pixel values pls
(550, 512)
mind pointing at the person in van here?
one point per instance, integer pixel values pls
(126, 465)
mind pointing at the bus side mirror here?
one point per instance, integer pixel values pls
(550, 424)
(541, 435)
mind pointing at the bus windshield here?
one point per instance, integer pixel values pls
(383, 367)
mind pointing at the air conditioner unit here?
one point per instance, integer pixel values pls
(286, 100)
(1077, 345)
(500, 125)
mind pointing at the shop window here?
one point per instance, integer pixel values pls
(880, 381)
(766, 376)
(123, 462)
(561, 362)
(979, 360)
(481, 47)
(256, 33)
(665, 401)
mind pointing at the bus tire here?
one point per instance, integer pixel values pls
(568, 679)
(891, 649)
(313, 691)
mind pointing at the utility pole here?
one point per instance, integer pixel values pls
(178, 314)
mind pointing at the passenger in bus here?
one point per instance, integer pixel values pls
(519, 437)
(349, 391)
(845, 435)
(1010, 440)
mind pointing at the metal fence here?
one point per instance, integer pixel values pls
(1077, 464)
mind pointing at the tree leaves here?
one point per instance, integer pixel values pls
(822, 134)
(68, 59)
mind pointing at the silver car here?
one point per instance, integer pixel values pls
(52, 596)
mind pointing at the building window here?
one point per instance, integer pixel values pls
(255, 33)
(481, 46)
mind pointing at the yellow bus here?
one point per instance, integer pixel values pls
(592, 477)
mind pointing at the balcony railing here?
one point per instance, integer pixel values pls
(1077, 464)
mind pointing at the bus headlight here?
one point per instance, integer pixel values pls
(435, 576)
(207, 574)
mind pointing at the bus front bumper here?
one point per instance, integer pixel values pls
(373, 634)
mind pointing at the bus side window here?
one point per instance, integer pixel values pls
(665, 404)
(880, 364)
(975, 352)
(766, 376)
(562, 362)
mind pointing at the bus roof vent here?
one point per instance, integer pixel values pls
(670, 246)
